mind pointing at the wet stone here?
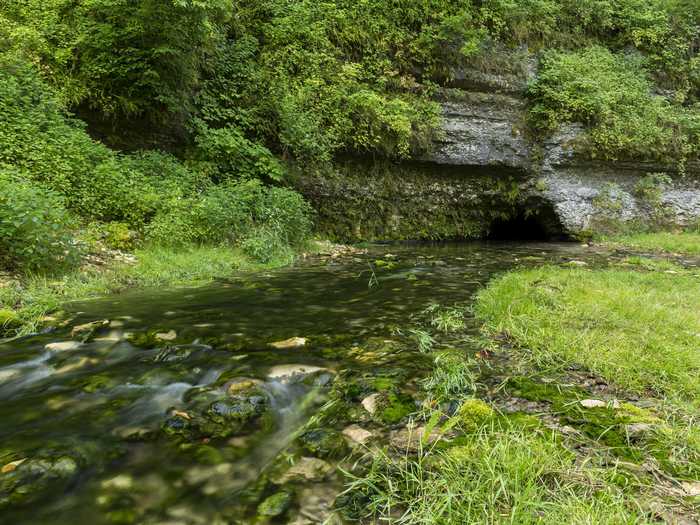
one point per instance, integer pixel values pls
(87, 330)
(292, 342)
(170, 335)
(64, 346)
(305, 469)
(357, 434)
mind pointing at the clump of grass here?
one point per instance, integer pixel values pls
(497, 475)
(637, 330)
(446, 318)
(454, 375)
(423, 339)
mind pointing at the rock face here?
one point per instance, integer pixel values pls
(485, 176)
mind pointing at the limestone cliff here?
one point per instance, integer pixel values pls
(486, 174)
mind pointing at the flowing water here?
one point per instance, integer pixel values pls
(176, 409)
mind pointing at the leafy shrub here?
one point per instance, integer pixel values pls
(225, 214)
(39, 137)
(121, 57)
(35, 228)
(613, 96)
(118, 236)
(234, 156)
(265, 245)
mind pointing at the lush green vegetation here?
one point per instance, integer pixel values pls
(582, 396)
(180, 123)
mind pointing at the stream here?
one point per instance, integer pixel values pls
(174, 407)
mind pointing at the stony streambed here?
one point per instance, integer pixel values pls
(239, 402)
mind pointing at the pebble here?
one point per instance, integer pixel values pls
(357, 434)
(170, 335)
(371, 403)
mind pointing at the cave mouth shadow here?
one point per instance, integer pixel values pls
(531, 223)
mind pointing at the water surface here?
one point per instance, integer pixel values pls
(134, 427)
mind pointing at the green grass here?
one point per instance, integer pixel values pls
(686, 242)
(638, 330)
(25, 303)
(494, 475)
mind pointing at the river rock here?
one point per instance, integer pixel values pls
(316, 506)
(11, 373)
(87, 329)
(305, 469)
(242, 385)
(292, 342)
(357, 434)
(170, 335)
(288, 371)
(63, 346)
(409, 438)
(371, 403)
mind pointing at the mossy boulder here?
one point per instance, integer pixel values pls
(275, 505)
(32, 478)
(213, 413)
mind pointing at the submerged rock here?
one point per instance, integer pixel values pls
(63, 346)
(87, 330)
(292, 342)
(170, 335)
(324, 443)
(242, 385)
(288, 371)
(27, 480)
(305, 469)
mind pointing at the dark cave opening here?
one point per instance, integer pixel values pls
(528, 223)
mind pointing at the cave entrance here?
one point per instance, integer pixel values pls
(536, 222)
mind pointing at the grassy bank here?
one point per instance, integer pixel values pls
(28, 302)
(638, 330)
(578, 405)
(683, 243)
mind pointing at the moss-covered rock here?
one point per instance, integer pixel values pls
(324, 443)
(275, 505)
(474, 413)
